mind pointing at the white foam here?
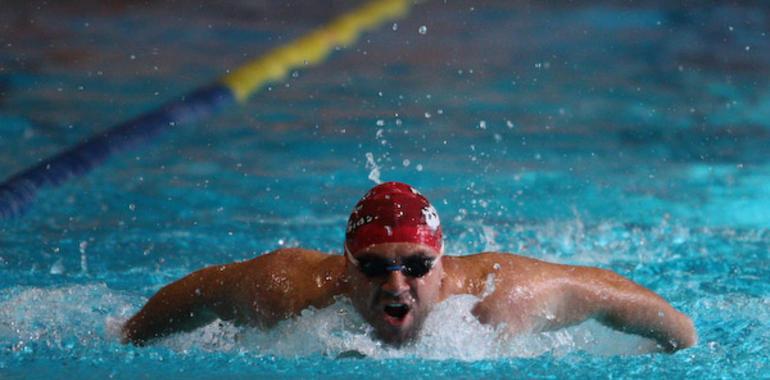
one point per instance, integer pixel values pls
(88, 315)
(450, 332)
(64, 318)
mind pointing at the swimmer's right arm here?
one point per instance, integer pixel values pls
(259, 292)
(183, 305)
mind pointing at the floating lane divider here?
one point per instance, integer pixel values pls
(20, 190)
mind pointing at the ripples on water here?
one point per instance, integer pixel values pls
(629, 137)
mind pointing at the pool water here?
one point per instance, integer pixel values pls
(629, 137)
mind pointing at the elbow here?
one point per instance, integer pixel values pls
(684, 336)
(689, 336)
(130, 333)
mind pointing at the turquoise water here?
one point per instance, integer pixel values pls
(631, 138)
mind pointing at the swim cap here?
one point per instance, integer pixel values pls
(393, 212)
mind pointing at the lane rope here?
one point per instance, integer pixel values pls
(19, 190)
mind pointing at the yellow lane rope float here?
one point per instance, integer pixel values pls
(312, 48)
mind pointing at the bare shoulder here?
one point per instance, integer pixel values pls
(504, 265)
(289, 279)
(512, 272)
(501, 258)
(286, 259)
(519, 267)
(292, 267)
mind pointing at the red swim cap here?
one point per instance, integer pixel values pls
(393, 212)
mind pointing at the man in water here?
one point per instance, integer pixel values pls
(394, 271)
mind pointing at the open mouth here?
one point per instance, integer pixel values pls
(397, 310)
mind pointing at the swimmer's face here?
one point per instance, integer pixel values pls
(395, 302)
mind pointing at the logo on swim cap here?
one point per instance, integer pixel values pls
(393, 212)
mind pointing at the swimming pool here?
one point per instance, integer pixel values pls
(631, 138)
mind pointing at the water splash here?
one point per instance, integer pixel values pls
(65, 318)
(374, 173)
(450, 332)
(82, 316)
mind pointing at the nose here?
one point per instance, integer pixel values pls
(395, 284)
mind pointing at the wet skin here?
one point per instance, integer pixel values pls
(524, 294)
(395, 304)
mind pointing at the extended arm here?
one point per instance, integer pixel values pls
(184, 305)
(260, 292)
(623, 305)
(534, 295)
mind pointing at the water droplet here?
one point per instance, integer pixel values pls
(83, 257)
(57, 267)
(489, 285)
(423, 29)
(374, 173)
(380, 123)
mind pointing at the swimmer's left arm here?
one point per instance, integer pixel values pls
(619, 303)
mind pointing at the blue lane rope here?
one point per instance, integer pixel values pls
(19, 191)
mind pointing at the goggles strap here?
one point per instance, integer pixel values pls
(349, 256)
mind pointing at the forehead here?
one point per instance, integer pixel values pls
(393, 250)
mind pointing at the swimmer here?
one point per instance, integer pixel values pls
(394, 271)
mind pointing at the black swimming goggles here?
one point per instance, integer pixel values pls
(412, 266)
